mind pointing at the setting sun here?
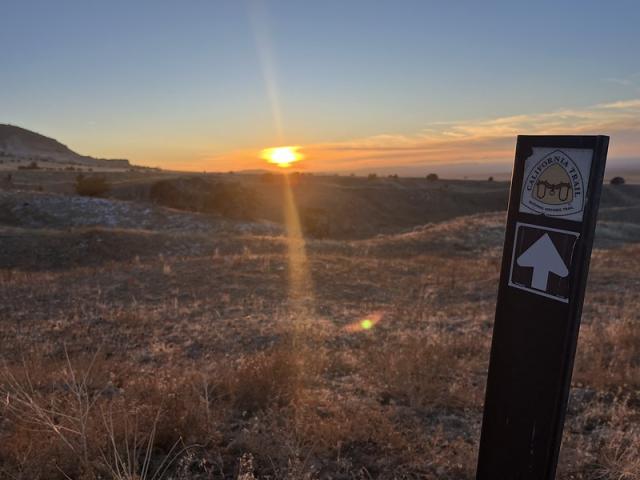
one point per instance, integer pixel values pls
(282, 156)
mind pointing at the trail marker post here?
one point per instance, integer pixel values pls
(555, 193)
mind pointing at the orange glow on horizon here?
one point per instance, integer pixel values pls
(465, 142)
(283, 157)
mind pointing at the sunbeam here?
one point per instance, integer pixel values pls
(300, 283)
(260, 27)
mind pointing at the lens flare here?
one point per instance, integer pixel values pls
(364, 324)
(282, 156)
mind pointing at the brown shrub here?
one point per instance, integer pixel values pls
(229, 199)
(619, 458)
(30, 166)
(617, 181)
(66, 421)
(608, 355)
(265, 379)
(316, 222)
(602, 441)
(93, 186)
(432, 370)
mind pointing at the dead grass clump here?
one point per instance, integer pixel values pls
(59, 423)
(441, 369)
(54, 413)
(369, 440)
(619, 459)
(264, 380)
(90, 418)
(319, 438)
(608, 355)
(602, 441)
(333, 425)
(187, 408)
(132, 452)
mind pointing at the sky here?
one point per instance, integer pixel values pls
(357, 85)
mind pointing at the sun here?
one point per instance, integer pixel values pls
(282, 156)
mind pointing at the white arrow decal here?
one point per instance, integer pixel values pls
(544, 258)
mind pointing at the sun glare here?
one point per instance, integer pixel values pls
(282, 156)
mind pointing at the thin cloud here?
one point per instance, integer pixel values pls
(632, 80)
(623, 105)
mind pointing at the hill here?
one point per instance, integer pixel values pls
(330, 207)
(350, 208)
(18, 145)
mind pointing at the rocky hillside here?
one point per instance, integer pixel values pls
(19, 145)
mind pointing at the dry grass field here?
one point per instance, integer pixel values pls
(143, 342)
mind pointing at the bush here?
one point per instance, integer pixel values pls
(617, 181)
(31, 166)
(316, 222)
(271, 178)
(372, 176)
(426, 371)
(266, 379)
(91, 186)
(432, 177)
(229, 199)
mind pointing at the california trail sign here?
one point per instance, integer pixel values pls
(554, 182)
(555, 192)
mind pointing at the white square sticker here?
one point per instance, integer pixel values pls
(542, 259)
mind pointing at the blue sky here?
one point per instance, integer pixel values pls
(203, 84)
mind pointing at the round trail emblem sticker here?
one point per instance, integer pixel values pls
(554, 186)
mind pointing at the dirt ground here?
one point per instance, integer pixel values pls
(174, 349)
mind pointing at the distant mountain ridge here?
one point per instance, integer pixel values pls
(24, 145)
